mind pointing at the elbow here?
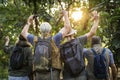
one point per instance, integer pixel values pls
(24, 34)
(93, 33)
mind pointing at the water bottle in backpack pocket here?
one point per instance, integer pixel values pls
(100, 64)
(72, 56)
(42, 55)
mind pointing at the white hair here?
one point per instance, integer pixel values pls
(45, 27)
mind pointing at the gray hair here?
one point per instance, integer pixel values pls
(45, 27)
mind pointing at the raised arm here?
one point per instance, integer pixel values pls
(7, 40)
(95, 25)
(24, 32)
(66, 29)
(7, 48)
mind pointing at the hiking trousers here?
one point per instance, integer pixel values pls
(18, 78)
(82, 76)
(47, 75)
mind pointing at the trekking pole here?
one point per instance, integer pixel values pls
(61, 15)
(63, 9)
(51, 75)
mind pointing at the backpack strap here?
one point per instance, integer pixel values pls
(94, 52)
(49, 40)
(107, 56)
(103, 52)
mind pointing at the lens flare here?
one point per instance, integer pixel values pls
(77, 15)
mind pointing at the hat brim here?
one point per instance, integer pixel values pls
(71, 32)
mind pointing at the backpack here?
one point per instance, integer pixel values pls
(17, 58)
(100, 65)
(42, 55)
(72, 56)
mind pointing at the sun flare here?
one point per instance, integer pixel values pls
(77, 15)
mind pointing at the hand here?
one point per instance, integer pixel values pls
(64, 12)
(30, 19)
(95, 15)
(7, 38)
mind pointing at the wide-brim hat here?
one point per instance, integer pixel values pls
(73, 31)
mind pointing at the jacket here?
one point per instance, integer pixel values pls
(27, 69)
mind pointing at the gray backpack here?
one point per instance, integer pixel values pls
(42, 55)
(72, 56)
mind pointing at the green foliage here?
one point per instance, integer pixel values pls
(14, 14)
(109, 26)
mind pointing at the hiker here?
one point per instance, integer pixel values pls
(22, 69)
(104, 59)
(72, 52)
(48, 66)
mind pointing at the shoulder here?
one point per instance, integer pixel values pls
(87, 50)
(58, 35)
(82, 38)
(108, 51)
(57, 39)
(32, 38)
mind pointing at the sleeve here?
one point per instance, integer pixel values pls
(111, 57)
(83, 40)
(30, 38)
(85, 52)
(57, 39)
(8, 49)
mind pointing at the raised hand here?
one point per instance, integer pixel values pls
(95, 15)
(64, 12)
(30, 19)
(7, 38)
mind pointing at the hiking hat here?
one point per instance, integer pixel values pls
(73, 31)
(45, 27)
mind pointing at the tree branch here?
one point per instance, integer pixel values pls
(63, 9)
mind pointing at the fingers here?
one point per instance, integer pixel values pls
(64, 12)
(30, 19)
(7, 38)
(95, 15)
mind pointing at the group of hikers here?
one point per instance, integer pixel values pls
(51, 59)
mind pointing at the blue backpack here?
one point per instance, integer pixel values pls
(100, 65)
(72, 56)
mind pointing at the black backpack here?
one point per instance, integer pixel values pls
(72, 56)
(17, 58)
(42, 55)
(100, 65)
